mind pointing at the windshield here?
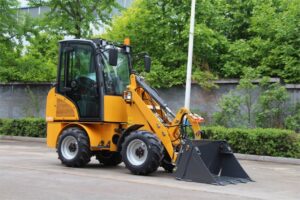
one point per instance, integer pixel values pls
(116, 78)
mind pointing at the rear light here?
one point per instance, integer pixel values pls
(49, 119)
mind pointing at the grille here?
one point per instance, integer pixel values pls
(63, 109)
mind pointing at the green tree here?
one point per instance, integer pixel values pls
(230, 36)
(76, 17)
(248, 90)
(150, 30)
(40, 60)
(276, 25)
(15, 26)
(161, 29)
(270, 41)
(9, 28)
(272, 107)
(230, 114)
(293, 120)
(238, 18)
(265, 106)
(237, 108)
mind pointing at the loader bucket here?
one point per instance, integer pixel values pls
(207, 161)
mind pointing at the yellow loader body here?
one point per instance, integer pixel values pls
(100, 107)
(62, 113)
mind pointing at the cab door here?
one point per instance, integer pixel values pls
(78, 78)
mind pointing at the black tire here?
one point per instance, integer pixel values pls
(82, 146)
(152, 158)
(108, 158)
(166, 163)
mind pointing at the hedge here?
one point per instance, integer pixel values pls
(270, 142)
(32, 127)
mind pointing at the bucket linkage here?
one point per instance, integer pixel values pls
(208, 161)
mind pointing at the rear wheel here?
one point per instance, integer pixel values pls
(108, 158)
(73, 147)
(142, 152)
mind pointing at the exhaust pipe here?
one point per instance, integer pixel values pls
(207, 161)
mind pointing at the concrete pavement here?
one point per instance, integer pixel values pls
(30, 170)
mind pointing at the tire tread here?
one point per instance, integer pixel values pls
(156, 148)
(84, 154)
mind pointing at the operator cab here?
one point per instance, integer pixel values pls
(88, 71)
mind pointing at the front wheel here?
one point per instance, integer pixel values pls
(74, 147)
(142, 152)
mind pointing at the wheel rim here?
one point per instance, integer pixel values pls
(137, 152)
(69, 147)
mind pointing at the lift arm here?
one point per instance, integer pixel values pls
(141, 98)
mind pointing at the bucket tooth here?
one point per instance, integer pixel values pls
(207, 161)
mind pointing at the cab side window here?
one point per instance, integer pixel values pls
(78, 78)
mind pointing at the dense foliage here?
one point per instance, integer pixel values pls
(270, 142)
(75, 18)
(293, 120)
(35, 63)
(229, 37)
(14, 29)
(32, 127)
(263, 104)
(29, 46)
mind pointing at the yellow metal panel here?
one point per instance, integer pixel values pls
(50, 105)
(53, 131)
(60, 108)
(106, 131)
(99, 134)
(63, 109)
(114, 109)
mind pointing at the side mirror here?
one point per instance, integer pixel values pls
(147, 62)
(113, 57)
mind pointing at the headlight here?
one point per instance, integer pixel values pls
(127, 96)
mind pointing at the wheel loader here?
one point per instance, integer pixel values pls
(101, 107)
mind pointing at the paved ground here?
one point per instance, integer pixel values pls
(32, 171)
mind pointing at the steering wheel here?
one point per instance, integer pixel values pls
(83, 85)
(74, 85)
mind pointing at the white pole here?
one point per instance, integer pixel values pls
(190, 58)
